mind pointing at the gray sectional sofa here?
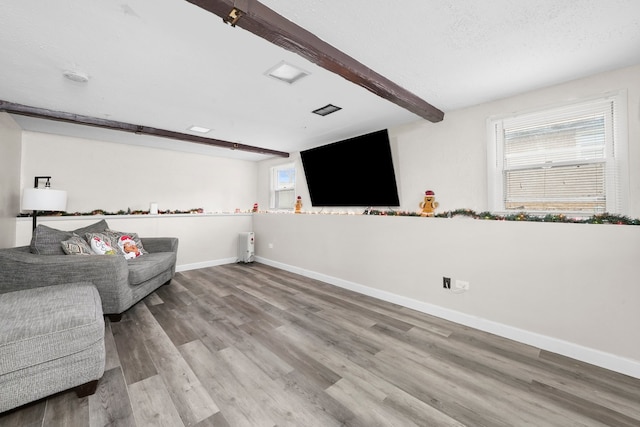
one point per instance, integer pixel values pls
(53, 295)
(51, 340)
(120, 282)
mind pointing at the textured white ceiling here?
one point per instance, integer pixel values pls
(170, 64)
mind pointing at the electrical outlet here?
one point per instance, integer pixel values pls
(446, 282)
(270, 245)
(462, 285)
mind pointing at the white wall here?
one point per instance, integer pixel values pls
(450, 157)
(205, 240)
(10, 144)
(113, 177)
(569, 288)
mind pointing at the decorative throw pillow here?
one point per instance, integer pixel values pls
(100, 243)
(47, 240)
(129, 244)
(76, 245)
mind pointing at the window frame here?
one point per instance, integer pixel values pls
(616, 153)
(273, 190)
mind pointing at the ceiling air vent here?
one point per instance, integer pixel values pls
(327, 109)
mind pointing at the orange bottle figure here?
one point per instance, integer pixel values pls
(298, 205)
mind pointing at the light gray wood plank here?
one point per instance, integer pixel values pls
(152, 404)
(286, 407)
(110, 405)
(250, 312)
(367, 406)
(269, 299)
(175, 296)
(586, 408)
(237, 404)
(175, 323)
(267, 361)
(112, 359)
(215, 420)
(66, 410)
(133, 354)
(29, 415)
(390, 394)
(317, 397)
(189, 396)
(153, 299)
(296, 357)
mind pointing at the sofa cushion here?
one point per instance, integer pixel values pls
(47, 240)
(43, 324)
(96, 227)
(76, 245)
(149, 266)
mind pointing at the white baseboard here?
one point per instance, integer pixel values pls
(204, 264)
(575, 351)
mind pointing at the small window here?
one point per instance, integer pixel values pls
(283, 187)
(569, 159)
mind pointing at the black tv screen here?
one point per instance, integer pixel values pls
(353, 172)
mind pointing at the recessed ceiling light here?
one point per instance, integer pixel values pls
(199, 129)
(327, 109)
(286, 73)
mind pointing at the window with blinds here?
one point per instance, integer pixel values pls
(283, 184)
(566, 159)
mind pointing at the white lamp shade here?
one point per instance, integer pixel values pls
(44, 199)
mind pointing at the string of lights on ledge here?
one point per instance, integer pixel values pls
(120, 212)
(604, 218)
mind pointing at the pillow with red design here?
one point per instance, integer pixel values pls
(100, 243)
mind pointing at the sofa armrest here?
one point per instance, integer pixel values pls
(160, 244)
(20, 269)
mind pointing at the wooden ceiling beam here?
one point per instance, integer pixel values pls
(258, 19)
(78, 119)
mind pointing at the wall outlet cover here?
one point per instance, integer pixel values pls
(462, 284)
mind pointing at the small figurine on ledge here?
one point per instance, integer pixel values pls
(255, 208)
(298, 205)
(429, 204)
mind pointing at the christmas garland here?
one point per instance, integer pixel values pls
(604, 218)
(120, 212)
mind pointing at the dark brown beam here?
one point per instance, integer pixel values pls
(258, 19)
(60, 116)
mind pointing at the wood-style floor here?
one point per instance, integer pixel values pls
(251, 345)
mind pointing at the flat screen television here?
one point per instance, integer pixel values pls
(354, 172)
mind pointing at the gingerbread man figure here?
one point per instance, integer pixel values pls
(429, 204)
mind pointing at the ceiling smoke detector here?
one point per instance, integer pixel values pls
(76, 76)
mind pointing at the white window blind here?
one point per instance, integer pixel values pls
(566, 159)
